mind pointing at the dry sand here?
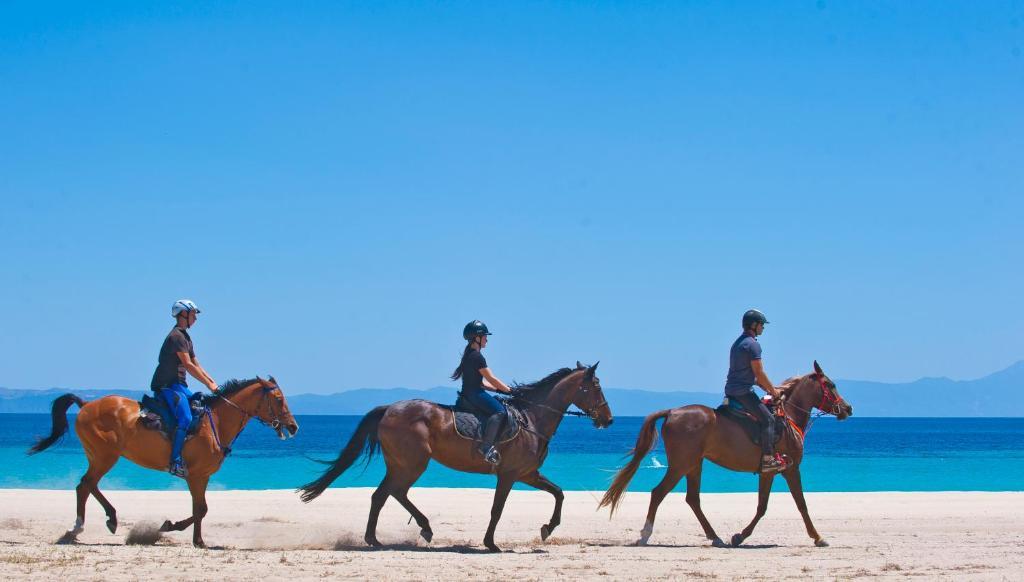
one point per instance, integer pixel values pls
(270, 534)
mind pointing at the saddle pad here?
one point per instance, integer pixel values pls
(470, 426)
(750, 424)
(155, 415)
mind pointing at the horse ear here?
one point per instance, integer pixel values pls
(272, 380)
(579, 366)
(593, 369)
(258, 379)
(817, 369)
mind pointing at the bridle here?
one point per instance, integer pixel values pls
(831, 404)
(592, 413)
(275, 422)
(830, 401)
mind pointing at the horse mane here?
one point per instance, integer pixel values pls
(540, 387)
(788, 384)
(232, 386)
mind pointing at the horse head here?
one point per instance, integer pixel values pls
(590, 398)
(817, 390)
(264, 400)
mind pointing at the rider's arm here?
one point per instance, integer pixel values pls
(196, 371)
(491, 381)
(762, 379)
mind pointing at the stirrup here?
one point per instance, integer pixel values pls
(492, 455)
(178, 470)
(776, 465)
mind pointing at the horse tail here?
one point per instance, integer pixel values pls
(644, 443)
(59, 414)
(363, 442)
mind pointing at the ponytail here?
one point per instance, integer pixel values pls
(458, 370)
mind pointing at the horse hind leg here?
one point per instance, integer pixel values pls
(671, 478)
(377, 501)
(108, 508)
(401, 482)
(88, 485)
(401, 494)
(693, 500)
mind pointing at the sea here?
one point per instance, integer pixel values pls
(858, 454)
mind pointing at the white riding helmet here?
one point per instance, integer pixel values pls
(183, 306)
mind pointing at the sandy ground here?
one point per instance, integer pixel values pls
(271, 535)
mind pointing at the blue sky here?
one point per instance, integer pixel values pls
(342, 187)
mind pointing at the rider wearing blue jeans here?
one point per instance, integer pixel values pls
(177, 357)
(476, 378)
(746, 370)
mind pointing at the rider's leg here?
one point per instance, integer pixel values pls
(752, 403)
(491, 429)
(177, 397)
(487, 403)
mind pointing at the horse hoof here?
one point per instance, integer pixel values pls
(166, 526)
(821, 543)
(426, 534)
(372, 542)
(492, 547)
(200, 544)
(545, 531)
(112, 525)
(718, 543)
(737, 540)
(69, 537)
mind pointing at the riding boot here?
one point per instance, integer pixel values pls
(777, 463)
(491, 428)
(177, 466)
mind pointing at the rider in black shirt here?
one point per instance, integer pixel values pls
(476, 379)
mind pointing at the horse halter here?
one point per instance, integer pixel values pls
(830, 401)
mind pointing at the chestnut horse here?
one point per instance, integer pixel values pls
(412, 432)
(109, 429)
(693, 433)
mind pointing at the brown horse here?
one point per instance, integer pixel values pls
(693, 433)
(109, 429)
(412, 432)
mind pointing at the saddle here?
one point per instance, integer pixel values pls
(469, 421)
(155, 415)
(732, 409)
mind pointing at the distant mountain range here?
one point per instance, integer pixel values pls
(928, 397)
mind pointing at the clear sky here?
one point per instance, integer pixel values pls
(341, 187)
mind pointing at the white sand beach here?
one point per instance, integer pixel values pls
(272, 535)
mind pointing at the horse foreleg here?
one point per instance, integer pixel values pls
(693, 500)
(197, 487)
(796, 487)
(763, 491)
(500, 497)
(541, 482)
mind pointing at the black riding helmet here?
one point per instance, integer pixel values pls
(753, 316)
(473, 329)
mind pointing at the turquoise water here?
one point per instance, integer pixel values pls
(860, 454)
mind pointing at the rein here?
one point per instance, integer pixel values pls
(526, 403)
(245, 419)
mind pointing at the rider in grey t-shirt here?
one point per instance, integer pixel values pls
(746, 370)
